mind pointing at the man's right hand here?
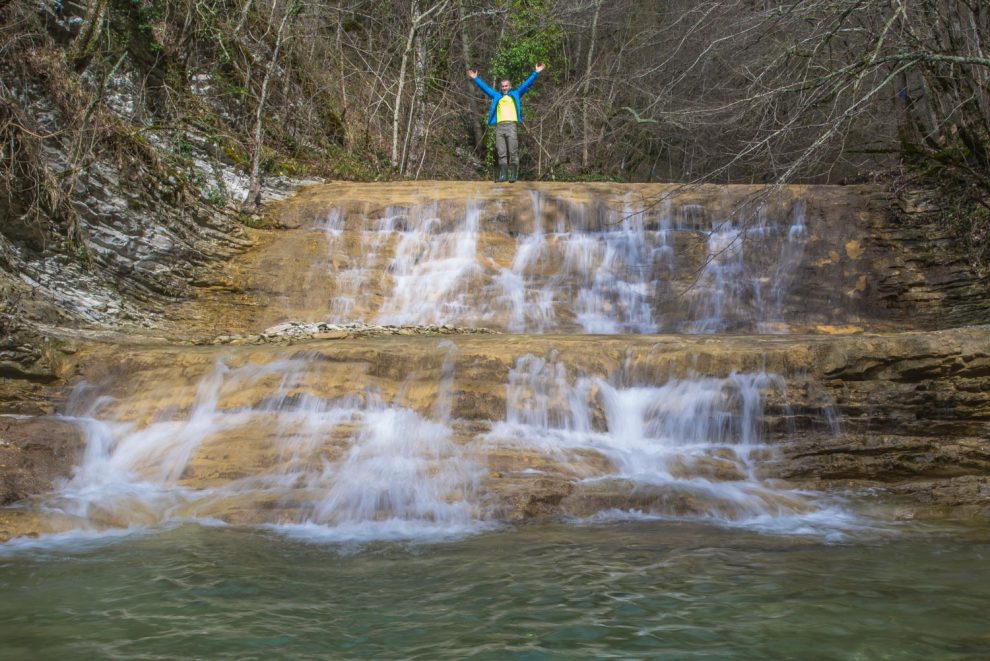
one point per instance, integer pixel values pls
(472, 73)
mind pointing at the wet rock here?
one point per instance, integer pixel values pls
(532, 497)
(858, 268)
(846, 407)
(884, 458)
(30, 364)
(35, 453)
(969, 491)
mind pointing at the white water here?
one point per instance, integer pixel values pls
(433, 271)
(359, 468)
(699, 437)
(732, 295)
(592, 269)
(350, 468)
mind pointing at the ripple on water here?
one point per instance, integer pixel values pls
(621, 590)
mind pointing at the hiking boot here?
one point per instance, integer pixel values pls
(513, 173)
(503, 173)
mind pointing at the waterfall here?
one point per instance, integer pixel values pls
(432, 270)
(523, 289)
(271, 443)
(342, 468)
(409, 437)
(689, 446)
(571, 266)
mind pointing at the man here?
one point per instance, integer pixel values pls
(505, 114)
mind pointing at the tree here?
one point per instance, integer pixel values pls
(283, 13)
(416, 40)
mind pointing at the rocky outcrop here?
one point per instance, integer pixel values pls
(921, 271)
(900, 410)
(843, 412)
(798, 259)
(915, 418)
(30, 365)
(114, 209)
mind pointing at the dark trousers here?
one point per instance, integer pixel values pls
(507, 143)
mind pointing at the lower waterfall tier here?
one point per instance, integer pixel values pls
(427, 436)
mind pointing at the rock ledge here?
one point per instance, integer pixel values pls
(291, 332)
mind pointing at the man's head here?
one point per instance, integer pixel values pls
(504, 85)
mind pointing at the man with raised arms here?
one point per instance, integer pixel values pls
(505, 114)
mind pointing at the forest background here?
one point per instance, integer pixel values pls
(750, 91)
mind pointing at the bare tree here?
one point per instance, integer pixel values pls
(288, 11)
(418, 20)
(586, 88)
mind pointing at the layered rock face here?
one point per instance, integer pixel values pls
(467, 353)
(914, 412)
(617, 259)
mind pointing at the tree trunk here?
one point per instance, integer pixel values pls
(245, 10)
(414, 27)
(253, 200)
(585, 93)
(476, 131)
(397, 106)
(81, 48)
(417, 110)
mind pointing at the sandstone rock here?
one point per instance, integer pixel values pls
(851, 405)
(35, 453)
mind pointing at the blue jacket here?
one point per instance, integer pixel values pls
(515, 94)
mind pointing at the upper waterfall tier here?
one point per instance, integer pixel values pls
(591, 258)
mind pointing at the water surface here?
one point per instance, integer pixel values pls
(631, 590)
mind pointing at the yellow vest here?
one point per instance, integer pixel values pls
(506, 110)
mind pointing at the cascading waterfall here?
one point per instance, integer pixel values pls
(691, 446)
(433, 270)
(352, 280)
(731, 293)
(359, 468)
(530, 302)
(580, 266)
(627, 467)
(349, 468)
(791, 253)
(617, 293)
(264, 443)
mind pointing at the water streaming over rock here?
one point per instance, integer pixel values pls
(355, 466)
(444, 442)
(626, 265)
(274, 442)
(681, 448)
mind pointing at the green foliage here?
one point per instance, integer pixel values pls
(235, 153)
(215, 196)
(253, 221)
(78, 250)
(149, 13)
(339, 163)
(491, 160)
(183, 147)
(532, 35)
